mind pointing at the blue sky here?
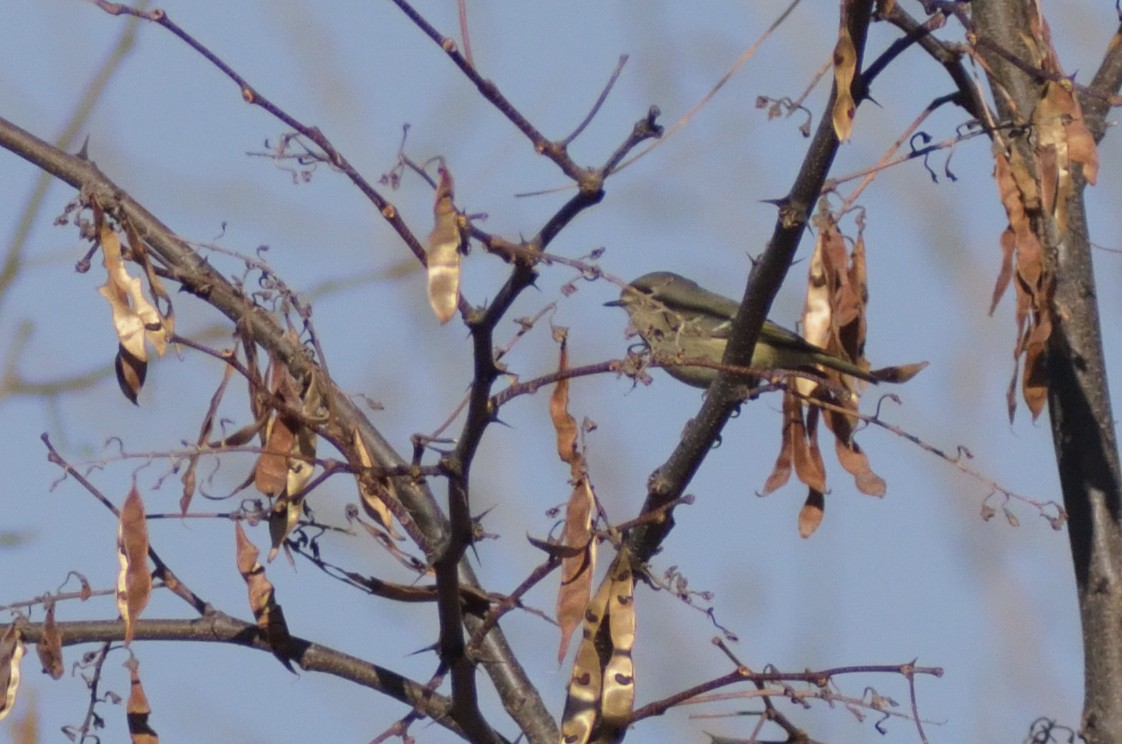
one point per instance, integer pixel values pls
(915, 575)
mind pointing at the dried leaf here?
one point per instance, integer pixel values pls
(834, 317)
(442, 251)
(135, 319)
(1011, 392)
(137, 709)
(283, 518)
(781, 473)
(1050, 182)
(563, 422)
(1034, 379)
(1052, 162)
(817, 315)
(807, 457)
(155, 286)
(1062, 139)
(619, 673)
(278, 473)
(851, 300)
(270, 475)
(845, 68)
(576, 570)
(260, 589)
(1034, 282)
(1005, 274)
(810, 516)
(11, 653)
(205, 429)
(300, 469)
(49, 648)
(601, 692)
(1018, 239)
(131, 373)
(262, 597)
(849, 453)
(371, 489)
(836, 299)
(85, 592)
(1081, 143)
(134, 581)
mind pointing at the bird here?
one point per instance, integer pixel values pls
(679, 319)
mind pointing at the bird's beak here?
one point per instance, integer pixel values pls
(614, 303)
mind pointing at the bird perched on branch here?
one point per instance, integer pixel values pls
(682, 321)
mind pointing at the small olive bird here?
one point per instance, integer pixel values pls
(679, 319)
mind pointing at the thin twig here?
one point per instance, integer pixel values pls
(162, 571)
(746, 55)
(818, 678)
(252, 96)
(1057, 520)
(461, 6)
(871, 173)
(599, 102)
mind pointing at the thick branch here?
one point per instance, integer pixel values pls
(219, 628)
(969, 96)
(1078, 397)
(429, 525)
(669, 481)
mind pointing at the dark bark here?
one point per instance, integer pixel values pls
(1078, 397)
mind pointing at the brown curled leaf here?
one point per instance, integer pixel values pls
(806, 455)
(137, 710)
(781, 472)
(131, 373)
(11, 654)
(134, 580)
(136, 320)
(205, 429)
(563, 422)
(845, 69)
(262, 597)
(849, 453)
(373, 491)
(442, 251)
(576, 569)
(601, 692)
(49, 648)
(810, 516)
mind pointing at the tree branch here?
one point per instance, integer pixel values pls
(669, 481)
(220, 628)
(1078, 397)
(429, 526)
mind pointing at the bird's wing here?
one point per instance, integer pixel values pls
(688, 296)
(772, 334)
